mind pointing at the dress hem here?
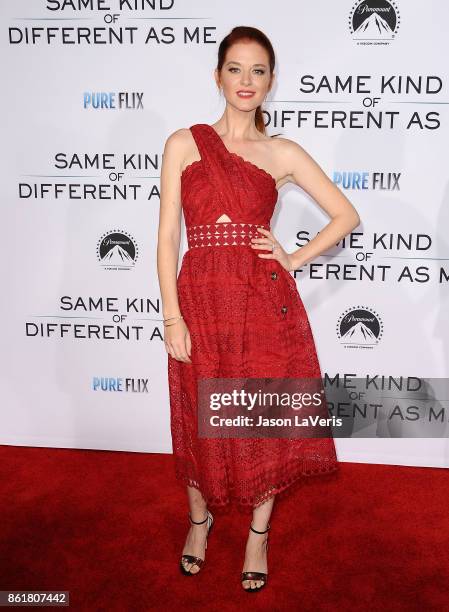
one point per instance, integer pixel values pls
(280, 491)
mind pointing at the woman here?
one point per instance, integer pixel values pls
(234, 310)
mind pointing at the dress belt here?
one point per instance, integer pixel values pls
(223, 234)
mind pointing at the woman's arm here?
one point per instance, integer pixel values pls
(177, 339)
(169, 232)
(307, 174)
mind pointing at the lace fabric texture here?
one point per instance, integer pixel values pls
(246, 319)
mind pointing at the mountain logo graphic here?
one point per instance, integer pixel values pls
(117, 250)
(374, 21)
(374, 26)
(359, 326)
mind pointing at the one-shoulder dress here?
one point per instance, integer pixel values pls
(246, 320)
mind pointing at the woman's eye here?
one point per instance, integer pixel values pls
(258, 70)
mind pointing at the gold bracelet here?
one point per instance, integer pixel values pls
(168, 324)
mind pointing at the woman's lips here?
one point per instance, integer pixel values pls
(245, 94)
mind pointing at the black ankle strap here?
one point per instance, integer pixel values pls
(255, 531)
(199, 522)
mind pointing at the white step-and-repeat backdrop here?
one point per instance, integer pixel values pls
(91, 90)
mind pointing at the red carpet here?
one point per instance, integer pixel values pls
(109, 527)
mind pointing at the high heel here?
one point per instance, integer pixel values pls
(191, 558)
(256, 575)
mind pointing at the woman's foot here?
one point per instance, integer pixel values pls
(255, 558)
(196, 542)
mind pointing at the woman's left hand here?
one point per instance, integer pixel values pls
(265, 243)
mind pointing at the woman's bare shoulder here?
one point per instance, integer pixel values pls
(289, 150)
(180, 137)
(178, 147)
(285, 145)
(290, 156)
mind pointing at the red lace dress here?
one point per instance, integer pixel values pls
(246, 319)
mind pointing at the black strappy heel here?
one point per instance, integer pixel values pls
(256, 575)
(191, 558)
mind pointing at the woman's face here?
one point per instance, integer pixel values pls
(245, 75)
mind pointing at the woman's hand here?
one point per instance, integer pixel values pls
(177, 341)
(278, 253)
